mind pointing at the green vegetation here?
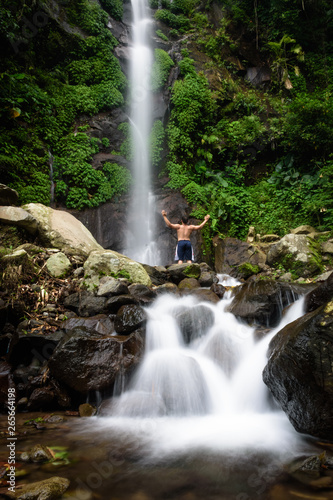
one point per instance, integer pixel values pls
(161, 69)
(156, 142)
(51, 75)
(247, 153)
(78, 184)
(254, 154)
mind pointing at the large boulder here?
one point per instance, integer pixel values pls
(178, 272)
(59, 229)
(261, 302)
(231, 253)
(16, 216)
(85, 303)
(86, 360)
(8, 196)
(299, 372)
(296, 253)
(320, 295)
(129, 318)
(107, 262)
(158, 274)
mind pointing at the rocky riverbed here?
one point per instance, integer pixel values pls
(73, 321)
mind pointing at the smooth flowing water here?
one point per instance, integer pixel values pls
(200, 384)
(196, 421)
(139, 244)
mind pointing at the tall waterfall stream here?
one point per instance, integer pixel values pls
(140, 238)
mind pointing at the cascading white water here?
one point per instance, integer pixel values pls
(200, 382)
(139, 244)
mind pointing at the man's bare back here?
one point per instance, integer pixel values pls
(184, 230)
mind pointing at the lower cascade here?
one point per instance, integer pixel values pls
(200, 383)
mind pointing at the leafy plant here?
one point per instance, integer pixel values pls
(161, 69)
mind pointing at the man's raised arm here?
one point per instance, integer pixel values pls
(168, 223)
(195, 228)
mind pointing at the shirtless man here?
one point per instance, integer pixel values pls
(184, 231)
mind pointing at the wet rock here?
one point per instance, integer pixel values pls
(129, 318)
(320, 295)
(158, 274)
(87, 410)
(41, 398)
(194, 322)
(85, 360)
(299, 372)
(37, 454)
(113, 304)
(167, 288)
(48, 489)
(100, 323)
(218, 289)
(312, 471)
(109, 286)
(188, 284)
(178, 272)
(206, 278)
(205, 295)
(142, 293)
(8, 196)
(85, 303)
(262, 302)
(107, 223)
(230, 253)
(58, 265)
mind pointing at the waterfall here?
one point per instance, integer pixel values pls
(139, 244)
(200, 383)
(51, 159)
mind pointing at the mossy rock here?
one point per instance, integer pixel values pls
(246, 270)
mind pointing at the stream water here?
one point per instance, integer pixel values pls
(197, 412)
(195, 421)
(201, 383)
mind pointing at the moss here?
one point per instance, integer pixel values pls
(122, 274)
(192, 271)
(161, 69)
(247, 269)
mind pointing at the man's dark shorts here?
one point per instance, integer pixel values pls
(184, 250)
